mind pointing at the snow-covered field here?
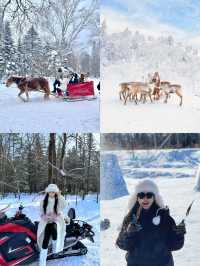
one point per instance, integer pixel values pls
(87, 210)
(177, 193)
(54, 115)
(149, 117)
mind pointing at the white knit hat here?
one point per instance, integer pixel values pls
(52, 188)
(146, 185)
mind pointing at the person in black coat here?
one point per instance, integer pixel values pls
(57, 82)
(74, 79)
(98, 87)
(148, 232)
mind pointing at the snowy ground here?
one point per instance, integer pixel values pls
(177, 193)
(54, 115)
(150, 117)
(87, 210)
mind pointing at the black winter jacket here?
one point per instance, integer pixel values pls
(152, 245)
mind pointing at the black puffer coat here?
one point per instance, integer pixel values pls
(152, 245)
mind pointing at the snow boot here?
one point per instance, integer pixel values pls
(54, 246)
(43, 257)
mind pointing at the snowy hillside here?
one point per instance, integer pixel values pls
(175, 61)
(112, 181)
(54, 115)
(87, 210)
(174, 171)
(128, 56)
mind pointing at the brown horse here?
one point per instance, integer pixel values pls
(29, 84)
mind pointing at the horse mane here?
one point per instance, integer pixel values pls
(17, 79)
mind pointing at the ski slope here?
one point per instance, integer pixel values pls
(87, 210)
(177, 194)
(157, 117)
(42, 116)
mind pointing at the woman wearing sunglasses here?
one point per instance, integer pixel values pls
(148, 232)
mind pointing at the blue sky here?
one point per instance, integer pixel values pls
(177, 16)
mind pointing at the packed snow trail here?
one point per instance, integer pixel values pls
(39, 115)
(86, 209)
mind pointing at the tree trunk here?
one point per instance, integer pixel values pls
(52, 175)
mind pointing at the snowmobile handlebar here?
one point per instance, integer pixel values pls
(83, 230)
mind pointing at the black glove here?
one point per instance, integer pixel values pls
(134, 226)
(180, 228)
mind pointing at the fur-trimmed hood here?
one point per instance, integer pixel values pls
(146, 185)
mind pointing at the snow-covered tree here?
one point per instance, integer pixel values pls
(64, 21)
(8, 50)
(33, 51)
(2, 62)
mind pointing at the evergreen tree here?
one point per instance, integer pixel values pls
(8, 50)
(20, 58)
(33, 51)
(2, 62)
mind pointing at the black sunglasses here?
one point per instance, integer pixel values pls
(148, 195)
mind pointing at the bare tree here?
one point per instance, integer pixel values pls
(52, 158)
(21, 11)
(64, 20)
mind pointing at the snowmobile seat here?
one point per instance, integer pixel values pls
(26, 223)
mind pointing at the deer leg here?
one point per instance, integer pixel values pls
(181, 97)
(150, 96)
(144, 98)
(125, 100)
(167, 96)
(135, 98)
(181, 102)
(120, 95)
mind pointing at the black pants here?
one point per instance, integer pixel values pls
(50, 231)
(56, 86)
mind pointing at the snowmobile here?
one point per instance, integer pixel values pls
(18, 239)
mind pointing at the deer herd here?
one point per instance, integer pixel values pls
(154, 89)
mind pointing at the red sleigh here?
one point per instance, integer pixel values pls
(80, 91)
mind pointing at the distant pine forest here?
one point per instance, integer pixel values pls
(125, 141)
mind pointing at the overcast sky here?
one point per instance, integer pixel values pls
(154, 17)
